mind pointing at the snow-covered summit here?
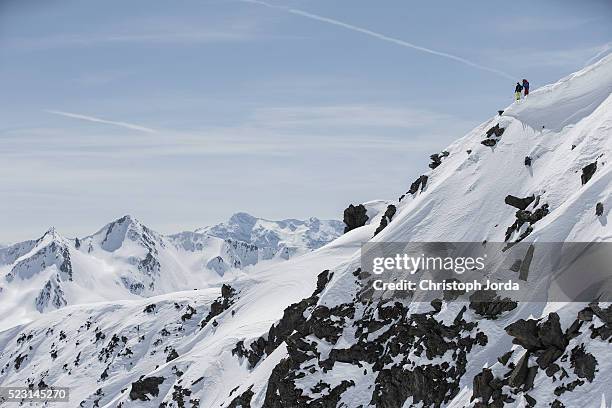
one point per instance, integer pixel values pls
(290, 235)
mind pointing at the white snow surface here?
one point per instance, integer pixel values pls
(127, 260)
(463, 201)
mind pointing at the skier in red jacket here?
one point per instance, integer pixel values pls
(526, 86)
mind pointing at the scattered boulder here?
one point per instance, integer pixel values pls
(144, 387)
(525, 333)
(354, 217)
(583, 363)
(524, 216)
(489, 142)
(436, 159)
(221, 304)
(520, 203)
(495, 130)
(150, 308)
(488, 304)
(588, 171)
(419, 182)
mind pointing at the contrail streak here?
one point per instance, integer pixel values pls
(382, 37)
(98, 120)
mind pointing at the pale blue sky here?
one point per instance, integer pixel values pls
(182, 113)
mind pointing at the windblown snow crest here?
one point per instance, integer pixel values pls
(304, 333)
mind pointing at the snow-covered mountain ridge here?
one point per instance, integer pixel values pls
(298, 334)
(125, 259)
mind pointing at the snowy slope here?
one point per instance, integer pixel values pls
(297, 334)
(126, 260)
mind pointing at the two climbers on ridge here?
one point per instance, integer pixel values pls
(519, 88)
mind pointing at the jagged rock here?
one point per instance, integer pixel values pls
(585, 315)
(525, 333)
(488, 304)
(354, 217)
(489, 142)
(583, 363)
(520, 203)
(547, 358)
(599, 209)
(588, 171)
(524, 216)
(505, 357)
(495, 130)
(144, 387)
(191, 311)
(419, 182)
(550, 332)
(518, 377)
(150, 308)
(386, 219)
(500, 112)
(172, 355)
(530, 400)
(293, 320)
(481, 385)
(243, 400)
(220, 304)
(436, 159)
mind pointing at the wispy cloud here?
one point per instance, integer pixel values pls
(383, 37)
(345, 116)
(571, 58)
(158, 31)
(524, 24)
(605, 49)
(265, 131)
(94, 119)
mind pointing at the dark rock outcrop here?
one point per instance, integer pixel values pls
(583, 363)
(495, 130)
(493, 135)
(520, 203)
(144, 387)
(355, 217)
(587, 172)
(436, 159)
(488, 304)
(243, 400)
(220, 304)
(524, 216)
(386, 219)
(293, 320)
(599, 209)
(420, 182)
(489, 142)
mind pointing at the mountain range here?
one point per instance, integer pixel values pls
(127, 260)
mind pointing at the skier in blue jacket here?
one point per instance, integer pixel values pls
(526, 87)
